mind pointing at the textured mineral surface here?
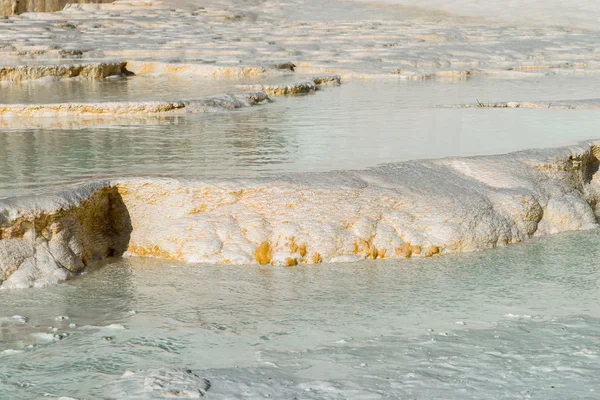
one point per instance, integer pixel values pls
(412, 209)
(262, 49)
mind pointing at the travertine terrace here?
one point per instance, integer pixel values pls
(14, 7)
(414, 209)
(410, 209)
(185, 37)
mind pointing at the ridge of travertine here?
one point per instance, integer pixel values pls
(220, 36)
(584, 104)
(14, 7)
(208, 70)
(254, 94)
(100, 70)
(214, 103)
(303, 87)
(408, 209)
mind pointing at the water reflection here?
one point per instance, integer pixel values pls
(227, 144)
(357, 125)
(138, 88)
(387, 314)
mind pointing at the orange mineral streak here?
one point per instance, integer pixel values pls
(368, 249)
(151, 251)
(263, 253)
(291, 262)
(317, 258)
(197, 210)
(432, 250)
(302, 250)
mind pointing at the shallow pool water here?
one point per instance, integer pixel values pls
(517, 322)
(357, 125)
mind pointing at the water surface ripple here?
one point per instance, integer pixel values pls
(517, 322)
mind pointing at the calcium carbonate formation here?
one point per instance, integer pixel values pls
(411, 209)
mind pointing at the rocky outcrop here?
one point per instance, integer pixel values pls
(209, 70)
(56, 72)
(14, 7)
(303, 87)
(410, 209)
(588, 104)
(43, 241)
(215, 103)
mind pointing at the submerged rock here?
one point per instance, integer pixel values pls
(159, 384)
(13, 7)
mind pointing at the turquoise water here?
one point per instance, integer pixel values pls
(357, 125)
(517, 322)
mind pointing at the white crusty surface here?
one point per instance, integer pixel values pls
(417, 208)
(100, 70)
(587, 104)
(229, 38)
(11, 114)
(215, 103)
(159, 384)
(410, 209)
(303, 87)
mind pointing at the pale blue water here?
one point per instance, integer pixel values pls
(518, 322)
(357, 125)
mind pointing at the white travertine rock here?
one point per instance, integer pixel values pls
(283, 89)
(208, 70)
(417, 208)
(296, 87)
(227, 38)
(214, 103)
(587, 104)
(159, 384)
(13, 7)
(547, 12)
(102, 70)
(45, 240)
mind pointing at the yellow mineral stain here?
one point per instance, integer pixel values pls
(317, 258)
(405, 250)
(372, 252)
(416, 249)
(382, 253)
(197, 210)
(263, 253)
(291, 262)
(432, 250)
(292, 245)
(152, 251)
(302, 249)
